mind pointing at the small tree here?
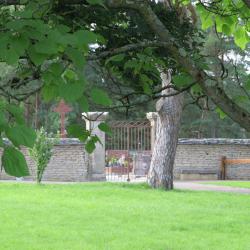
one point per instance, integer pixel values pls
(42, 152)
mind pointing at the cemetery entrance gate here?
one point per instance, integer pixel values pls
(128, 150)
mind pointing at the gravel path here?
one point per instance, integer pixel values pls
(191, 185)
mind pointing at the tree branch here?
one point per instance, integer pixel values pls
(126, 48)
(215, 92)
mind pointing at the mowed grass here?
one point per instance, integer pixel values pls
(105, 216)
(241, 184)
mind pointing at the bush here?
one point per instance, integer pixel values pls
(42, 152)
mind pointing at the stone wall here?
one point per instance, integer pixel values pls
(206, 154)
(68, 163)
(202, 158)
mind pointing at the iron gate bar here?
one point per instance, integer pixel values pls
(130, 140)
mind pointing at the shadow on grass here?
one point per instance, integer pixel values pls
(92, 185)
(145, 186)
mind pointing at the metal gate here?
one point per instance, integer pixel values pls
(128, 150)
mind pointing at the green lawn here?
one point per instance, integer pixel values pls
(242, 184)
(122, 217)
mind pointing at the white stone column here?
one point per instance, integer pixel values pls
(152, 117)
(97, 158)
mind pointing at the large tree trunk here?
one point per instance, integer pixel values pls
(168, 122)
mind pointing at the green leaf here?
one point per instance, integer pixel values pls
(219, 23)
(50, 92)
(46, 46)
(71, 90)
(100, 97)
(63, 28)
(207, 20)
(95, 139)
(204, 65)
(116, 58)
(247, 84)
(21, 135)
(220, 113)
(17, 112)
(16, 24)
(241, 98)
(105, 128)
(56, 69)
(77, 58)
(14, 162)
(9, 55)
(182, 80)
(90, 146)
(34, 34)
(145, 78)
(226, 29)
(84, 38)
(225, 24)
(25, 13)
(78, 131)
(70, 75)
(1, 142)
(83, 102)
(36, 58)
(37, 25)
(185, 2)
(146, 84)
(19, 44)
(12, 47)
(196, 90)
(146, 88)
(3, 122)
(241, 38)
(131, 64)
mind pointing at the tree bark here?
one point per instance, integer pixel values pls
(168, 123)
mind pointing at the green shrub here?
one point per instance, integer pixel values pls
(42, 152)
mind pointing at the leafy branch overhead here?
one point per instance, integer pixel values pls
(48, 45)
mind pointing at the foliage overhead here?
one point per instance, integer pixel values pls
(47, 45)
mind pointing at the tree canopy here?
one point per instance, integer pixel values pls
(129, 43)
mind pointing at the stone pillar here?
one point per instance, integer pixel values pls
(152, 117)
(97, 158)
